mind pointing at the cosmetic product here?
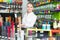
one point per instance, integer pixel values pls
(41, 33)
(55, 24)
(2, 29)
(19, 19)
(51, 38)
(30, 32)
(15, 26)
(43, 26)
(8, 28)
(38, 34)
(22, 35)
(59, 24)
(19, 30)
(48, 26)
(6, 23)
(18, 35)
(13, 1)
(5, 29)
(1, 24)
(12, 30)
(37, 39)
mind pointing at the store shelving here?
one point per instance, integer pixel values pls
(10, 5)
(36, 30)
(41, 10)
(9, 26)
(10, 8)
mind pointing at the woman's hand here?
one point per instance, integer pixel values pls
(22, 25)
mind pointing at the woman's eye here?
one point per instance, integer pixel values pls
(31, 7)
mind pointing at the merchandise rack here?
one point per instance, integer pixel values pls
(16, 6)
(11, 6)
(38, 12)
(51, 31)
(15, 29)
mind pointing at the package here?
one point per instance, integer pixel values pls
(51, 38)
(1, 0)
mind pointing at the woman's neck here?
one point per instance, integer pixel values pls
(29, 12)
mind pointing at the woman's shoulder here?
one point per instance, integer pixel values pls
(34, 15)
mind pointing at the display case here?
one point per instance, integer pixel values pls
(10, 26)
(10, 6)
(48, 17)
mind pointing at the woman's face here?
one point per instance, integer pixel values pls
(29, 8)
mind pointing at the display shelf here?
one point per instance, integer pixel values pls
(41, 2)
(9, 27)
(17, 5)
(36, 29)
(55, 31)
(51, 31)
(11, 1)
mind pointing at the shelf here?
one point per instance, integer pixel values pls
(43, 13)
(32, 36)
(36, 29)
(43, 4)
(54, 31)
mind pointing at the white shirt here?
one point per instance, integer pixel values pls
(29, 20)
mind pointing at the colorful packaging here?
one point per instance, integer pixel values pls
(1, 0)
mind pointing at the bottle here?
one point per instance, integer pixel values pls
(8, 30)
(43, 26)
(48, 26)
(1, 24)
(41, 33)
(12, 30)
(13, 1)
(15, 26)
(2, 31)
(51, 38)
(9, 27)
(19, 30)
(5, 28)
(55, 24)
(59, 24)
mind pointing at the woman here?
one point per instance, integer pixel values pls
(29, 18)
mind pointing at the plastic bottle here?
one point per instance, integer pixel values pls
(48, 26)
(43, 26)
(59, 24)
(1, 24)
(55, 24)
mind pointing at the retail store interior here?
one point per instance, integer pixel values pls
(46, 27)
